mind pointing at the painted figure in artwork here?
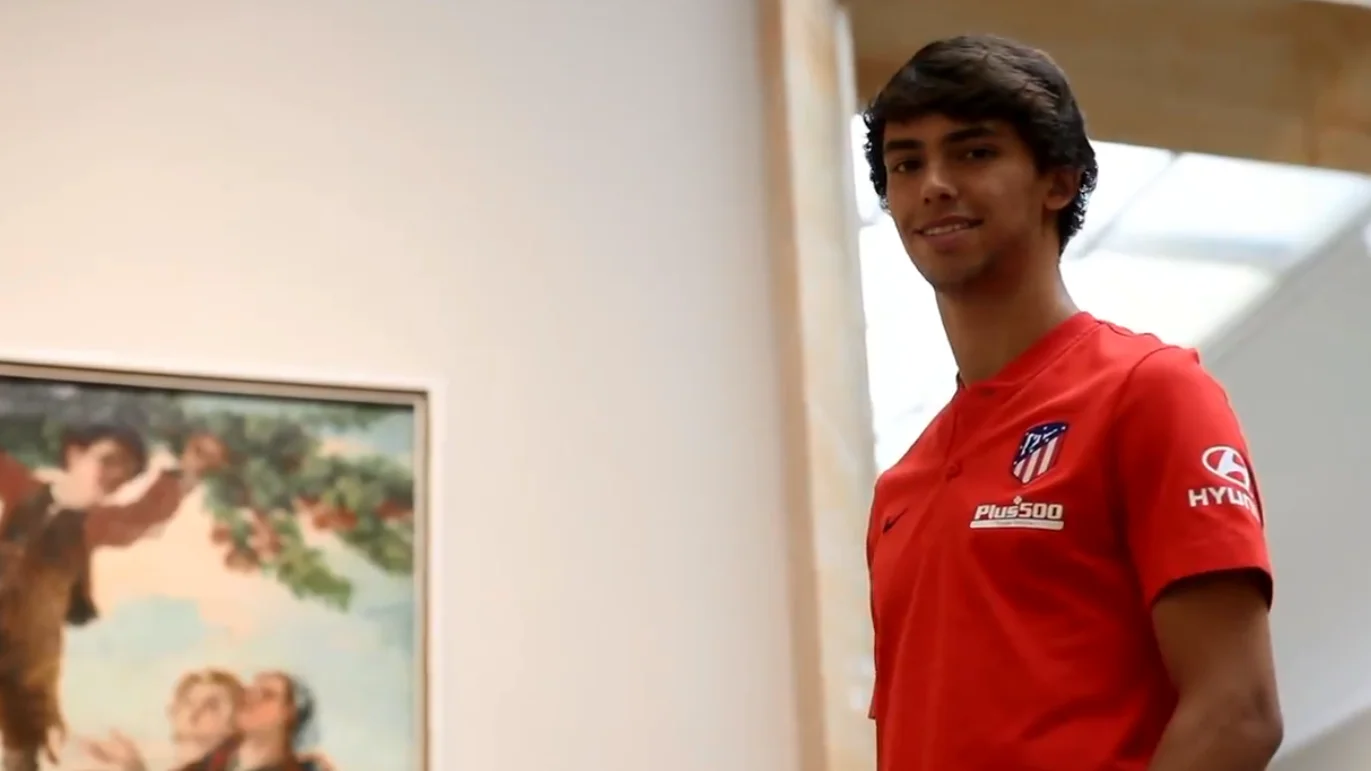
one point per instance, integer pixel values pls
(204, 716)
(47, 534)
(279, 719)
(220, 725)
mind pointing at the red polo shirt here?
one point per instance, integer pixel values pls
(1017, 549)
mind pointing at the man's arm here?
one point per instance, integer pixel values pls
(1215, 639)
(1195, 529)
(125, 525)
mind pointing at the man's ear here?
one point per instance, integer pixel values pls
(1064, 183)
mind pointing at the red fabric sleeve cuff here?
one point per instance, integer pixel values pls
(1199, 558)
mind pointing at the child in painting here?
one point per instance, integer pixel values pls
(46, 537)
(98, 460)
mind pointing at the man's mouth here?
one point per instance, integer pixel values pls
(943, 228)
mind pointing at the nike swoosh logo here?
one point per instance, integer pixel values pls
(889, 523)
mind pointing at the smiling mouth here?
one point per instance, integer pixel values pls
(942, 230)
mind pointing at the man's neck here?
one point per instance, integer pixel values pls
(257, 752)
(191, 748)
(990, 327)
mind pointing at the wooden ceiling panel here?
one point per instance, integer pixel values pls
(1272, 79)
(883, 25)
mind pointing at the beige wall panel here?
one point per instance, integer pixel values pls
(814, 238)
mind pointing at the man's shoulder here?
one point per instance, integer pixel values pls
(1116, 356)
(1149, 365)
(1126, 348)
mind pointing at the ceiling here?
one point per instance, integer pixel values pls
(1279, 80)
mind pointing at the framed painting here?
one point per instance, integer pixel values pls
(210, 574)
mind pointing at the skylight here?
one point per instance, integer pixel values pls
(1182, 301)
(1131, 170)
(1240, 209)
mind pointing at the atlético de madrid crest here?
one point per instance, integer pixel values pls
(1037, 451)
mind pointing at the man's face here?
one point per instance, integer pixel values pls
(205, 712)
(99, 469)
(266, 705)
(968, 198)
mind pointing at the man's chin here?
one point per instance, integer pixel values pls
(956, 279)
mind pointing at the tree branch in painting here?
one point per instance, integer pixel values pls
(278, 476)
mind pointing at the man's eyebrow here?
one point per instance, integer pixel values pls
(978, 131)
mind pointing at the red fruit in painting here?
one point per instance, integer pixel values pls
(221, 533)
(323, 516)
(390, 511)
(241, 560)
(265, 540)
(203, 453)
(345, 520)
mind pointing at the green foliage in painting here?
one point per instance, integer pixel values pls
(275, 478)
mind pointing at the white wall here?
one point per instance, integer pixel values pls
(555, 213)
(1299, 374)
(1346, 748)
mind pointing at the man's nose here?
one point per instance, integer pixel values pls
(937, 184)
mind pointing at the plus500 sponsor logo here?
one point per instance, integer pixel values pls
(1020, 514)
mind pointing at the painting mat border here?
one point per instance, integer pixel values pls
(421, 396)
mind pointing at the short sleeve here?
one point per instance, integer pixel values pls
(1188, 491)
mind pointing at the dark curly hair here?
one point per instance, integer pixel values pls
(986, 77)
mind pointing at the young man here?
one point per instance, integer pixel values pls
(1068, 567)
